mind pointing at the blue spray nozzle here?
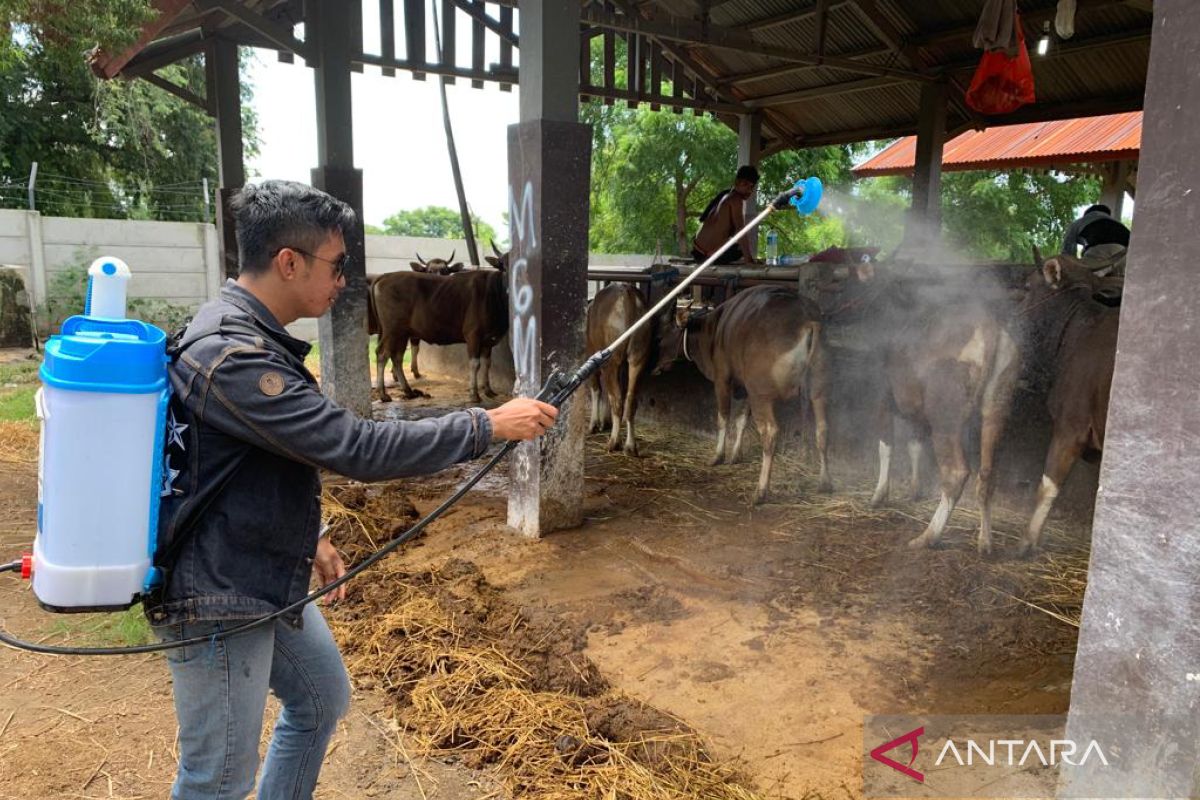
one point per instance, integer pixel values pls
(810, 190)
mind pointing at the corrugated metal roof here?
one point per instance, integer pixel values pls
(1102, 69)
(1110, 138)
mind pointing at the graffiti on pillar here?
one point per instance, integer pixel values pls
(525, 345)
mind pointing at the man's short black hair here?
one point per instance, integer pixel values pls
(275, 214)
(1099, 207)
(747, 173)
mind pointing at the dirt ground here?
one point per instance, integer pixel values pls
(772, 631)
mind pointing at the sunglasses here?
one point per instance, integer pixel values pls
(339, 266)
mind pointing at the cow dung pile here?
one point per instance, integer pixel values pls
(478, 679)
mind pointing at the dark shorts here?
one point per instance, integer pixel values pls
(731, 255)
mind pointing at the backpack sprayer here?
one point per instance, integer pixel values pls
(102, 409)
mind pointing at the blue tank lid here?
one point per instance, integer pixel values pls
(125, 356)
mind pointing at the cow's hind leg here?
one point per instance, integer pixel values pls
(381, 358)
(487, 372)
(398, 365)
(1065, 450)
(610, 376)
(997, 401)
(724, 400)
(636, 368)
(821, 423)
(739, 428)
(947, 406)
(763, 409)
(596, 421)
(886, 425)
(416, 350)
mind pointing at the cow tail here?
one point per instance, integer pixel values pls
(372, 314)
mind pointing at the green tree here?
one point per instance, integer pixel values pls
(1001, 215)
(104, 148)
(435, 222)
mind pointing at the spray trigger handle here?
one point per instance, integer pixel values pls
(804, 196)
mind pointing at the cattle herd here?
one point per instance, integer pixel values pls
(947, 363)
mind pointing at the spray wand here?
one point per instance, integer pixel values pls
(804, 197)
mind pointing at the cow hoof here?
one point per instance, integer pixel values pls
(632, 451)
(416, 375)
(384, 397)
(613, 445)
(984, 548)
(825, 487)
(475, 398)
(1026, 550)
(490, 392)
(716, 460)
(413, 394)
(760, 498)
(920, 542)
(878, 500)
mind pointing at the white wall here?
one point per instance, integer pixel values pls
(179, 262)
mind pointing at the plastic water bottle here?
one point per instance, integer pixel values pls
(102, 407)
(772, 248)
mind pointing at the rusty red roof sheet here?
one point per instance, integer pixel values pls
(1115, 137)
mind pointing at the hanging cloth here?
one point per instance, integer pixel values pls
(995, 28)
(1064, 19)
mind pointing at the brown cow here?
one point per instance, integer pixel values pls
(943, 364)
(437, 266)
(1071, 336)
(612, 311)
(764, 343)
(470, 307)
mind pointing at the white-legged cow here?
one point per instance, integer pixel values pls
(612, 311)
(1071, 338)
(763, 343)
(944, 366)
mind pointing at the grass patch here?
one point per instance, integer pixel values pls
(122, 629)
(19, 373)
(313, 359)
(16, 405)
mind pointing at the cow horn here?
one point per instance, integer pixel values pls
(423, 261)
(495, 249)
(450, 260)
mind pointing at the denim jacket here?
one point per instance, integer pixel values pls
(248, 431)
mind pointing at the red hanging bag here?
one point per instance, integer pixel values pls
(1003, 83)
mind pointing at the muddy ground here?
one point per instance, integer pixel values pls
(772, 631)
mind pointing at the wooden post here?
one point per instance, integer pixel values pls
(549, 163)
(224, 90)
(925, 216)
(1136, 688)
(749, 151)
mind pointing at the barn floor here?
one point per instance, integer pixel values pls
(770, 631)
(773, 631)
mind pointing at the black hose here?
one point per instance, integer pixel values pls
(13, 566)
(557, 389)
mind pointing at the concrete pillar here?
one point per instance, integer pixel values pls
(1116, 177)
(1136, 686)
(224, 87)
(925, 216)
(749, 152)
(342, 332)
(549, 166)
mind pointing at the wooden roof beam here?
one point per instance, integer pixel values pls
(277, 34)
(685, 31)
(183, 93)
(828, 90)
(489, 22)
(787, 17)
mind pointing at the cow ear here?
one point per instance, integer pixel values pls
(495, 262)
(456, 267)
(417, 266)
(1052, 272)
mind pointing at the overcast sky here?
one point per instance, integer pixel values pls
(399, 141)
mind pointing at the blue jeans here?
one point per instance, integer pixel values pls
(221, 693)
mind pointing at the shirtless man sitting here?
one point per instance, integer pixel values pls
(723, 218)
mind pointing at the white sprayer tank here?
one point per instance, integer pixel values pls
(102, 407)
